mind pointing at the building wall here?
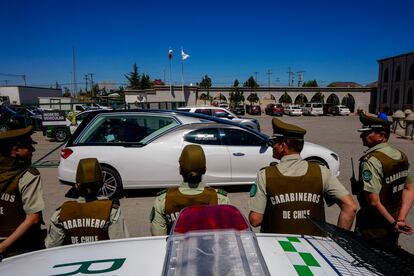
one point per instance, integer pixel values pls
(27, 95)
(12, 93)
(395, 83)
(191, 95)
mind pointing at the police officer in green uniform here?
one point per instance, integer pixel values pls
(284, 195)
(192, 191)
(89, 218)
(384, 177)
(21, 195)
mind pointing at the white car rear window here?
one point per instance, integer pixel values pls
(125, 129)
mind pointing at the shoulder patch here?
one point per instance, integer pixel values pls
(253, 190)
(366, 175)
(161, 192)
(222, 192)
(33, 170)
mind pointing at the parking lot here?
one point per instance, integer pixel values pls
(334, 132)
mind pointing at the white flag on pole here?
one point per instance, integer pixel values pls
(184, 56)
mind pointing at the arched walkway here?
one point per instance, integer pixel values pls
(333, 99)
(285, 99)
(219, 99)
(349, 101)
(301, 99)
(318, 97)
(267, 99)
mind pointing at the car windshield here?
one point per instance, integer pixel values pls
(121, 129)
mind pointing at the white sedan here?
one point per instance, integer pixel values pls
(141, 150)
(293, 110)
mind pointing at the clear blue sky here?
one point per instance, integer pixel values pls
(330, 40)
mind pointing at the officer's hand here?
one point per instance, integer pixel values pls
(404, 228)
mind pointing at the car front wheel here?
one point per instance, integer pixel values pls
(61, 135)
(112, 186)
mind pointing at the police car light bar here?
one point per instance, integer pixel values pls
(210, 217)
(213, 240)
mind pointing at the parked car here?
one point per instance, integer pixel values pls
(328, 109)
(342, 110)
(61, 131)
(274, 109)
(253, 109)
(10, 119)
(139, 149)
(313, 109)
(220, 112)
(238, 110)
(293, 110)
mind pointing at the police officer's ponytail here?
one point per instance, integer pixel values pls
(192, 164)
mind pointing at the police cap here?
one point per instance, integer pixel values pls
(89, 171)
(370, 123)
(18, 137)
(192, 159)
(282, 129)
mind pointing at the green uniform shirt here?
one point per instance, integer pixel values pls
(294, 165)
(56, 234)
(372, 168)
(30, 187)
(158, 223)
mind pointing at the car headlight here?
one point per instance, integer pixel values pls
(335, 156)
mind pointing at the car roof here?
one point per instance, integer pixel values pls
(200, 117)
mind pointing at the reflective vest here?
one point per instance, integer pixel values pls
(291, 199)
(85, 221)
(394, 175)
(12, 215)
(175, 201)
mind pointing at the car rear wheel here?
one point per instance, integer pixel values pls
(61, 135)
(112, 186)
(318, 160)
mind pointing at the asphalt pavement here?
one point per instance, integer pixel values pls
(334, 132)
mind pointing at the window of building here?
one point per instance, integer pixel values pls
(384, 96)
(385, 79)
(410, 96)
(396, 96)
(411, 72)
(398, 74)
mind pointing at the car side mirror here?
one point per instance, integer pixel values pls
(231, 117)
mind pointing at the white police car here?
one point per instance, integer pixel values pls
(217, 240)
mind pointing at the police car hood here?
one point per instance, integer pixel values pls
(283, 254)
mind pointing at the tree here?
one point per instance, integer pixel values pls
(310, 83)
(206, 83)
(95, 90)
(146, 82)
(236, 95)
(285, 98)
(205, 98)
(66, 92)
(251, 83)
(318, 97)
(253, 98)
(134, 79)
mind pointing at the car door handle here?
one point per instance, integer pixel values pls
(238, 154)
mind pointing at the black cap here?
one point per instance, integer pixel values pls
(282, 129)
(370, 123)
(19, 137)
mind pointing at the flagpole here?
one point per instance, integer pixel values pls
(182, 75)
(170, 82)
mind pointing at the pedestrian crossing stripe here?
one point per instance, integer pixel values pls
(304, 263)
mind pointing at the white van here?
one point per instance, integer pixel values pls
(313, 109)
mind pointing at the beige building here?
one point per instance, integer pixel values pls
(162, 98)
